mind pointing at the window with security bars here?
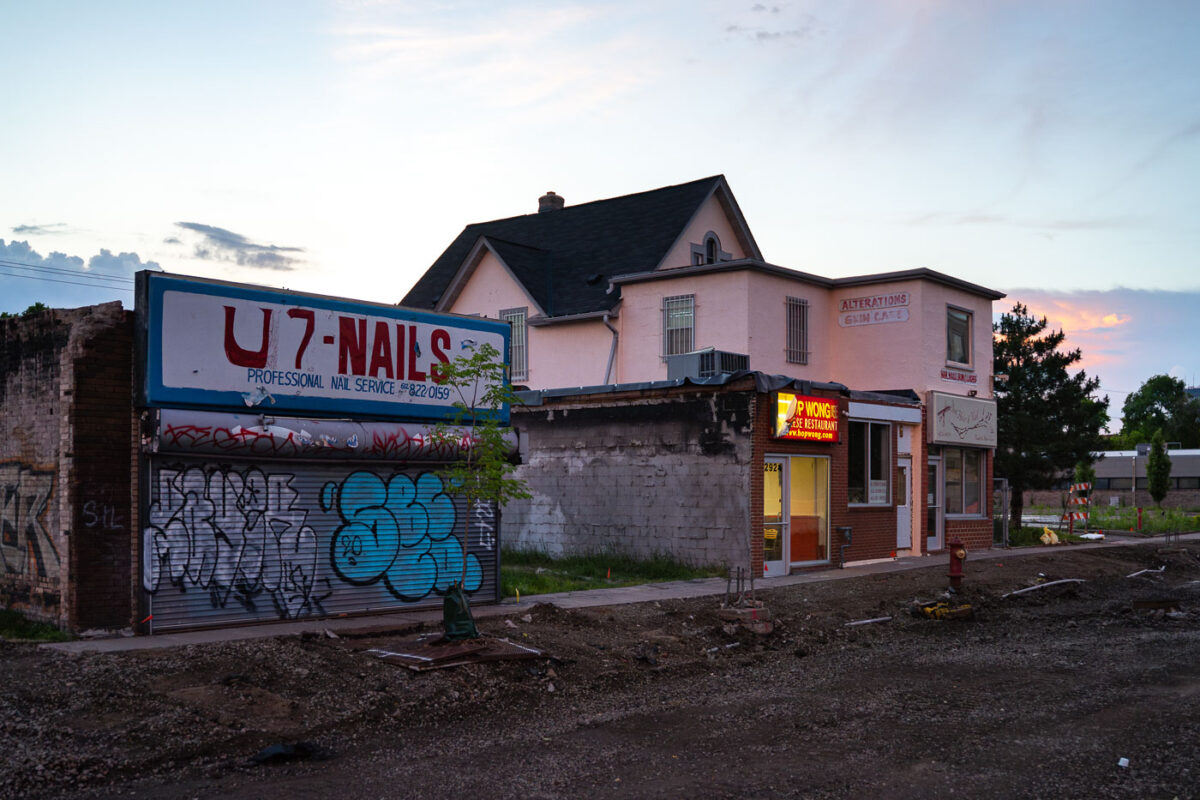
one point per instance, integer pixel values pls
(797, 330)
(679, 324)
(518, 350)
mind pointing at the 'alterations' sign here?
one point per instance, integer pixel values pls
(873, 310)
(811, 419)
(208, 343)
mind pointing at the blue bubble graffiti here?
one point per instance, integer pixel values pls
(401, 532)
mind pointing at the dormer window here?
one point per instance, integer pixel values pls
(709, 251)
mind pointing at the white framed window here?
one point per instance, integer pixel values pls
(870, 470)
(958, 335)
(679, 324)
(797, 330)
(518, 343)
(964, 469)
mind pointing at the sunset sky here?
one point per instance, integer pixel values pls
(1047, 149)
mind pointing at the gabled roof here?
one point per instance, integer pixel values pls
(565, 258)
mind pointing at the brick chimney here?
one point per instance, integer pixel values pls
(549, 202)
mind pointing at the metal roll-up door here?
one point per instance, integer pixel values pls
(234, 541)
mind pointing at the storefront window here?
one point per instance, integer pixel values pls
(870, 463)
(964, 480)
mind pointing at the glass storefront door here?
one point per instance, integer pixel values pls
(933, 505)
(774, 519)
(795, 512)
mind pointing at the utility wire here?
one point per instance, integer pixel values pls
(59, 270)
(92, 285)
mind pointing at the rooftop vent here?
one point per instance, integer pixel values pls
(550, 202)
(708, 363)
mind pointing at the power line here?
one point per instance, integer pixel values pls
(92, 285)
(108, 276)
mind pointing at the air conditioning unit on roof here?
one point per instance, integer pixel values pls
(706, 363)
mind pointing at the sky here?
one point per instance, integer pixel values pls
(1049, 149)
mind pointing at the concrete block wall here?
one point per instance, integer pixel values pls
(48, 470)
(666, 473)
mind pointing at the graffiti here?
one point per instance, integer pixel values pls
(485, 519)
(400, 532)
(392, 442)
(103, 516)
(236, 535)
(25, 545)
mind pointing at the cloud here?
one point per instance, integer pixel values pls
(63, 281)
(1050, 224)
(774, 28)
(172, 240)
(1125, 335)
(512, 58)
(129, 263)
(38, 230)
(219, 244)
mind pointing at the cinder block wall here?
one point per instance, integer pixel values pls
(64, 381)
(660, 473)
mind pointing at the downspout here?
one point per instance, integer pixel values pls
(612, 352)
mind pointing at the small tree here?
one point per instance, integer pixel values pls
(1158, 469)
(482, 470)
(1047, 418)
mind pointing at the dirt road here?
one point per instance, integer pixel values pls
(1039, 695)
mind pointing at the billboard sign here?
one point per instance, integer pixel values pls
(806, 419)
(215, 344)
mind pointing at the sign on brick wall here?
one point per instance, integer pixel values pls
(802, 418)
(208, 343)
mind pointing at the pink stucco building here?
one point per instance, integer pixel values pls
(610, 292)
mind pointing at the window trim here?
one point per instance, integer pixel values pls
(984, 502)
(888, 469)
(969, 344)
(666, 329)
(700, 252)
(509, 315)
(796, 339)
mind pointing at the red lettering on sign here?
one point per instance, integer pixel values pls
(439, 340)
(352, 345)
(308, 315)
(381, 352)
(239, 356)
(414, 374)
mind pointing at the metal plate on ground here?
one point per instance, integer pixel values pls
(430, 651)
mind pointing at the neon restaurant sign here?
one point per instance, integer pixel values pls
(807, 419)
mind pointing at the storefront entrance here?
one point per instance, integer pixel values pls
(903, 504)
(795, 512)
(933, 492)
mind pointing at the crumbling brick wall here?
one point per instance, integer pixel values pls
(66, 394)
(640, 473)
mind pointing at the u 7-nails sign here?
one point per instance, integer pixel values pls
(208, 343)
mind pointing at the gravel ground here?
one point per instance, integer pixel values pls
(1038, 695)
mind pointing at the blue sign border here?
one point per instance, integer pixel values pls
(152, 286)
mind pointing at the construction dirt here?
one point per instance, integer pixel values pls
(1087, 689)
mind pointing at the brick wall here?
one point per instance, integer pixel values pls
(64, 406)
(873, 530)
(99, 493)
(638, 473)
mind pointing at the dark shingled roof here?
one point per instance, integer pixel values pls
(565, 257)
